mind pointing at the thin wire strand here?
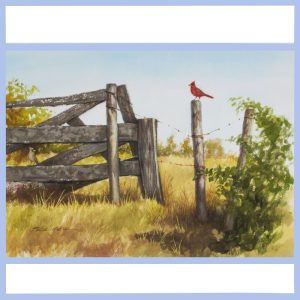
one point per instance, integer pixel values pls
(175, 128)
(179, 131)
(181, 165)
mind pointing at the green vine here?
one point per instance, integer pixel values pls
(258, 189)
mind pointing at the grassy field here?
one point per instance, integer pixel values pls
(87, 225)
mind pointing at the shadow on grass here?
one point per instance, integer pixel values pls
(192, 243)
(51, 194)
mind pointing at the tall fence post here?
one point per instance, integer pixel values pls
(112, 144)
(147, 150)
(198, 149)
(247, 128)
(246, 133)
(128, 115)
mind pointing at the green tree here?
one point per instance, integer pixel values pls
(258, 194)
(18, 117)
(185, 147)
(168, 149)
(213, 148)
(160, 149)
(171, 145)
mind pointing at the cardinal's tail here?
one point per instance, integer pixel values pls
(209, 96)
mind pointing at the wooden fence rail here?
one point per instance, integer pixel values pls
(69, 173)
(68, 134)
(84, 98)
(88, 140)
(76, 154)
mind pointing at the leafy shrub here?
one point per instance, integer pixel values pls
(258, 189)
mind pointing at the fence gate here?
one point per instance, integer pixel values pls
(59, 170)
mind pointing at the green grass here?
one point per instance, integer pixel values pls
(87, 225)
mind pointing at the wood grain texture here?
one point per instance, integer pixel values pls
(127, 111)
(68, 174)
(198, 150)
(68, 187)
(58, 188)
(128, 115)
(76, 122)
(147, 150)
(70, 116)
(68, 134)
(112, 144)
(74, 155)
(84, 98)
(125, 105)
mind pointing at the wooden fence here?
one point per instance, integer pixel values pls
(199, 167)
(59, 170)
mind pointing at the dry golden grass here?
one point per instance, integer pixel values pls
(87, 225)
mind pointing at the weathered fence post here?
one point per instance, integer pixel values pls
(147, 150)
(125, 105)
(198, 149)
(128, 115)
(247, 128)
(104, 139)
(112, 144)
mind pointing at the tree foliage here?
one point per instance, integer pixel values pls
(169, 148)
(186, 147)
(213, 148)
(125, 149)
(258, 189)
(18, 117)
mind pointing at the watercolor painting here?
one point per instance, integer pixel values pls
(149, 153)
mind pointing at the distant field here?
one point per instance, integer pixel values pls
(89, 226)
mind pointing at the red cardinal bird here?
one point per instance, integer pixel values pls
(197, 92)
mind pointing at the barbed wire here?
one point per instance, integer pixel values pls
(132, 111)
(175, 128)
(181, 165)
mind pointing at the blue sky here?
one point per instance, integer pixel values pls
(158, 82)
